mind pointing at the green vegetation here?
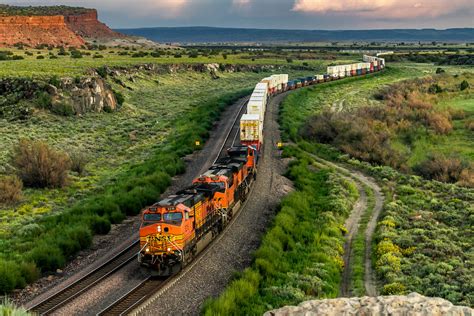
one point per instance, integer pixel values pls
(64, 65)
(358, 247)
(8, 10)
(126, 161)
(300, 257)
(423, 240)
(7, 308)
(440, 58)
(410, 133)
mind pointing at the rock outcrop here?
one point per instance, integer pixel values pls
(21, 97)
(90, 94)
(58, 26)
(88, 26)
(413, 304)
(35, 30)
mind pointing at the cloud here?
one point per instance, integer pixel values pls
(167, 9)
(391, 9)
(241, 4)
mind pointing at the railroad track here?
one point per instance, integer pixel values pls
(151, 285)
(80, 286)
(136, 296)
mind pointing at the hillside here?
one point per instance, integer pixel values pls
(57, 26)
(215, 35)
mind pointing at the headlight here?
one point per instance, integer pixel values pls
(169, 249)
(158, 228)
(147, 249)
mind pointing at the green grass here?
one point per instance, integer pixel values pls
(300, 257)
(67, 66)
(358, 247)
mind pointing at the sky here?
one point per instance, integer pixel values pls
(280, 14)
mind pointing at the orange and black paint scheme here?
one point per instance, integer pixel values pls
(172, 228)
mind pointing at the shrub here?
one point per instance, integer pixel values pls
(9, 276)
(47, 257)
(63, 108)
(44, 100)
(439, 122)
(40, 57)
(119, 97)
(97, 56)
(440, 70)
(441, 168)
(76, 54)
(79, 161)
(464, 85)
(10, 189)
(100, 225)
(39, 165)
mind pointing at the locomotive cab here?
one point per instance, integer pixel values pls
(167, 231)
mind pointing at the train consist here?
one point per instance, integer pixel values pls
(175, 229)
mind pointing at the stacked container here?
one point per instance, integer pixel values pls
(320, 78)
(251, 130)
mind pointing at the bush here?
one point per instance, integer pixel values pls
(79, 161)
(119, 97)
(76, 54)
(10, 189)
(40, 57)
(44, 100)
(48, 257)
(464, 85)
(100, 225)
(63, 109)
(441, 168)
(9, 276)
(39, 165)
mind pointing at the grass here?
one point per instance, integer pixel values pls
(358, 247)
(67, 66)
(300, 257)
(7, 308)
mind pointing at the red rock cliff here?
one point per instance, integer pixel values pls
(87, 25)
(34, 30)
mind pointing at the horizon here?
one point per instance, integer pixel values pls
(335, 15)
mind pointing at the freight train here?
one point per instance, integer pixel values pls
(175, 229)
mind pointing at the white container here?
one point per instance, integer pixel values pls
(331, 70)
(256, 106)
(251, 128)
(319, 77)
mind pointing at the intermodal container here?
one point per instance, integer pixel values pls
(320, 78)
(359, 72)
(251, 130)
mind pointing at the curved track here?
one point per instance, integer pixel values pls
(105, 270)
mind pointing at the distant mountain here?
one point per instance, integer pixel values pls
(219, 35)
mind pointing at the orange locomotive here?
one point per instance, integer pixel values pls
(178, 227)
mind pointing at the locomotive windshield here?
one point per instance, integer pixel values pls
(173, 217)
(152, 217)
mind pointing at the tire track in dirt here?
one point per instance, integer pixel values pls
(352, 224)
